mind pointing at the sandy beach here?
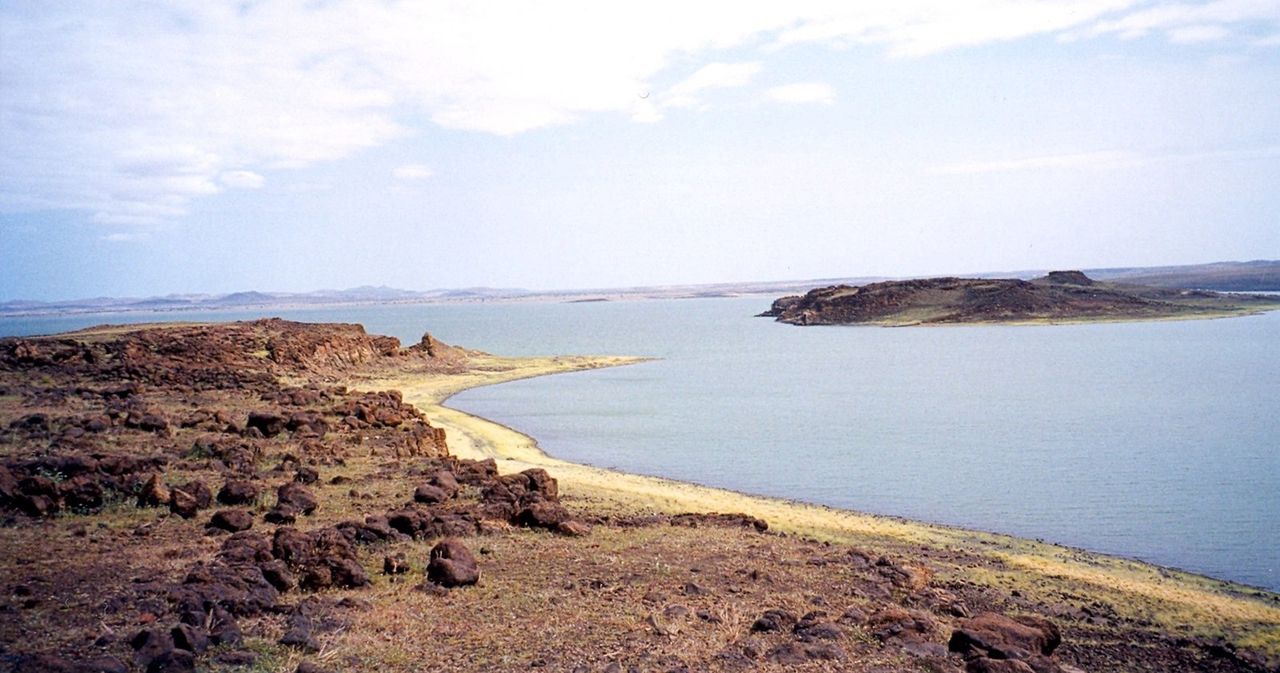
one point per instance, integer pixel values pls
(1170, 600)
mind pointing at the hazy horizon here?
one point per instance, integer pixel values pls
(209, 148)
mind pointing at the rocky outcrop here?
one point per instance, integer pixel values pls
(1061, 295)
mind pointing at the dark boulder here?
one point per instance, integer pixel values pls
(429, 494)
(173, 661)
(774, 620)
(154, 493)
(542, 483)
(149, 645)
(182, 503)
(233, 520)
(238, 492)
(322, 558)
(1001, 637)
(241, 589)
(284, 515)
(278, 574)
(82, 493)
(267, 423)
(200, 491)
(451, 565)
(224, 629)
(476, 472)
(445, 481)
(299, 632)
(192, 638)
(245, 547)
(542, 514)
(297, 496)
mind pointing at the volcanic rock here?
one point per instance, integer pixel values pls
(268, 423)
(452, 565)
(296, 495)
(1000, 637)
(238, 492)
(233, 520)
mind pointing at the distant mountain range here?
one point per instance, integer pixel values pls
(1254, 276)
(254, 299)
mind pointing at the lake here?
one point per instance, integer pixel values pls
(1158, 440)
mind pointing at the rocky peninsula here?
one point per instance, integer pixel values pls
(1060, 296)
(277, 496)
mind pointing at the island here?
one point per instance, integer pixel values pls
(280, 496)
(1059, 296)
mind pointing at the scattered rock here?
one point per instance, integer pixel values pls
(298, 632)
(542, 514)
(238, 492)
(428, 494)
(154, 493)
(149, 645)
(267, 423)
(452, 565)
(233, 520)
(774, 620)
(182, 503)
(1000, 637)
(189, 637)
(297, 496)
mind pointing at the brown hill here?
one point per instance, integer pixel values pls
(1061, 296)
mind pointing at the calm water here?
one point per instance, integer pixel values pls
(1159, 441)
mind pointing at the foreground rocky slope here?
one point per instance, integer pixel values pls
(196, 497)
(1059, 296)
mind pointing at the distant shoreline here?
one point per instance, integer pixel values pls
(1253, 276)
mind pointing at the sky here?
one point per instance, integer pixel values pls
(152, 148)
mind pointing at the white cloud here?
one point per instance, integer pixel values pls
(412, 172)
(1190, 22)
(242, 179)
(130, 111)
(803, 92)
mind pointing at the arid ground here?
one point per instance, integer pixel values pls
(255, 497)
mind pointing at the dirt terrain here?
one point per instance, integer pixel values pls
(213, 497)
(1061, 296)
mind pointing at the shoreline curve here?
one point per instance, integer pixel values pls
(1172, 600)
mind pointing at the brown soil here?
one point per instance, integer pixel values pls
(109, 560)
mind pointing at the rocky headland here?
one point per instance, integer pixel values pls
(1060, 296)
(252, 497)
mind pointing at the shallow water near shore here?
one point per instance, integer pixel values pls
(1152, 440)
